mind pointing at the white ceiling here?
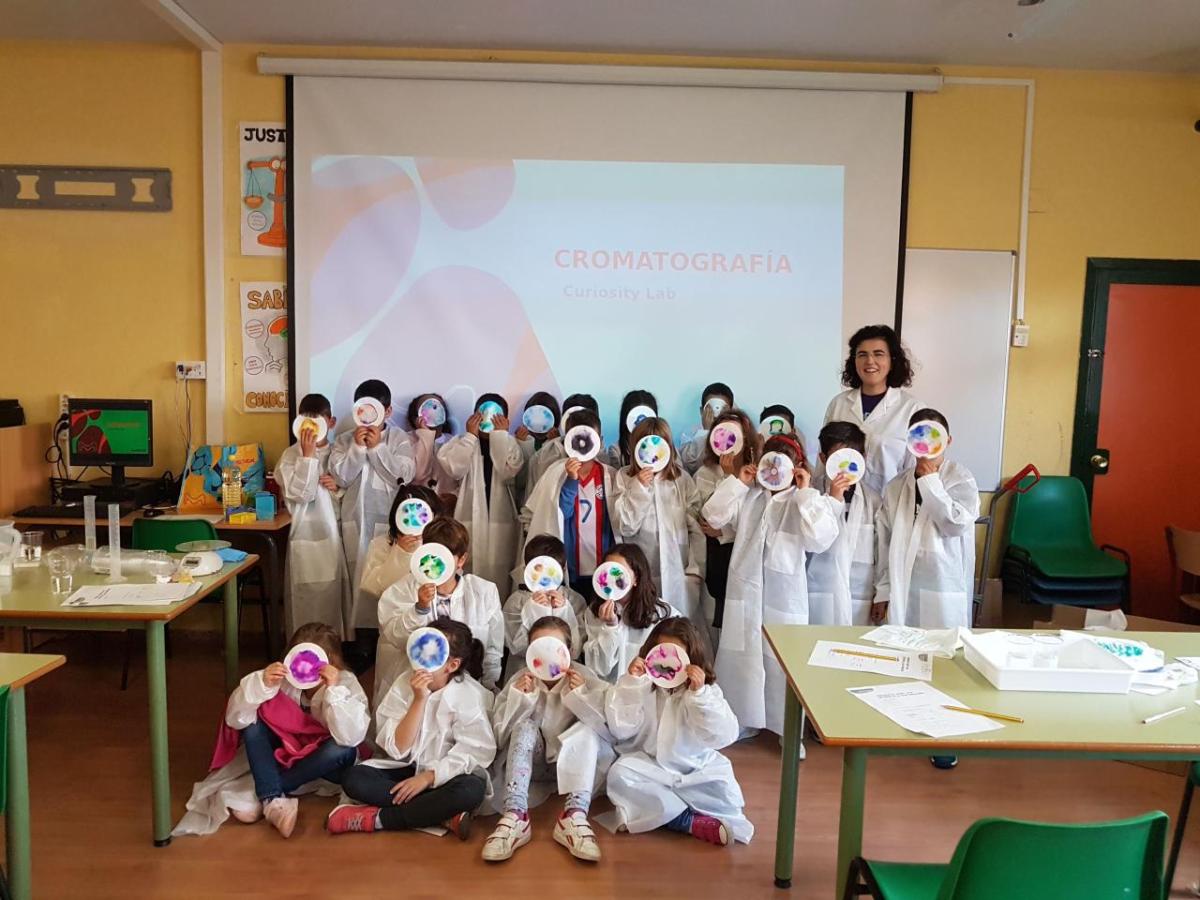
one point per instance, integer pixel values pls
(1161, 35)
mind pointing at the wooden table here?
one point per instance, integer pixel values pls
(1057, 725)
(31, 604)
(16, 671)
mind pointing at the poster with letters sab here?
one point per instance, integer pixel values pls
(264, 346)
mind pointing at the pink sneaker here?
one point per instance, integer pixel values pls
(349, 817)
(459, 826)
(710, 830)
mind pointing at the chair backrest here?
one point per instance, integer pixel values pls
(1003, 859)
(1053, 513)
(167, 534)
(1184, 547)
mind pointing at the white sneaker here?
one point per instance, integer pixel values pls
(511, 833)
(803, 752)
(248, 816)
(573, 832)
(747, 734)
(281, 812)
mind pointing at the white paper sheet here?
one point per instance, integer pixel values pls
(942, 642)
(899, 663)
(918, 707)
(131, 594)
(1172, 676)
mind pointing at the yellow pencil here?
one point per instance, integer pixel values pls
(983, 712)
(865, 655)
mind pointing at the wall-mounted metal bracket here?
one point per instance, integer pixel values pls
(78, 187)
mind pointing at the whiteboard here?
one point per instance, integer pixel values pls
(956, 319)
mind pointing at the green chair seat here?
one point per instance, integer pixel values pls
(1051, 524)
(1062, 562)
(908, 881)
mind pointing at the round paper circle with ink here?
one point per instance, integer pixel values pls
(315, 424)
(304, 663)
(716, 406)
(548, 658)
(636, 415)
(773, 425)
(726, 438)
(427, 649)
(848, 462)
(538, 419)
(582, 443)
(431, 413)
(412, 515)
(612, 581)
(543, 573)
(652, 452)
(776, 471)
(927, 439)
(432, 564)
(368, 413)
(666, 664)
(489, 409)
(567, 413)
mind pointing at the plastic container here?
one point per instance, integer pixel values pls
(1074, 666)
(231, 489)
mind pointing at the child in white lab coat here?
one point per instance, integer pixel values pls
(767, 581)
(615, 630)
(659, 512)
(318, 583)
(428, 435)
(669, 774)
(551, 450)
(622, 453)
(524, 607)
(549, 732)
(485, 460)
(292, 741)
(693, 447)
(783, 412)
(407, 605)
(435, 732)
(841, 580)
(531, 442)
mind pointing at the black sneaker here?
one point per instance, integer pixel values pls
(944, 762)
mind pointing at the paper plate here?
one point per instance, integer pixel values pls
(543, 573)
(368, 412)
(636, 415)
(427, 649)
(716, 405)
(726, 438)
(776, 471)
(773, 425)
(582, 443)
(612, 581)
(489, 409)
(304, 663)
(567, 413)
(431, 413)
(538, 419)
(927, 439)
(548, 658)
(432, 564)
(666, 664)
(316, 423)
(848, 462)
(652, 452)
(412, 516)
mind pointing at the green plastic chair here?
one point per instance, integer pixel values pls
(167, 534)
(1189, 788)
(1051, 525)
(1006, 859)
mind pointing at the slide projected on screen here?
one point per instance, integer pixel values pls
(467, 276)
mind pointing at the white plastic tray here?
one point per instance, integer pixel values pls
(1077, 665)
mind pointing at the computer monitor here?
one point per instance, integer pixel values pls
(116, 433)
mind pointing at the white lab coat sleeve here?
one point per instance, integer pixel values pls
(398, 613)
(633, 502)
(343, 709)
(474, 745)
(601, 644)
(723, 506)
(691, 451)
(883, 540)
(252, 692)
(515, 638)
(707, 715)
(831, 410)
(346, 460)
(510, 708)
(457, 455)
(630, 707)
(820, 518)
(374, 566)
(952, 511)
(391, 712)
(588, 703)
(392, 460)
(493, 647)
(424, 454)
(298, 477)
(507, 457)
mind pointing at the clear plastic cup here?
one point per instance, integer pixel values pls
(160, 566)
(31, 549)
(62, 569)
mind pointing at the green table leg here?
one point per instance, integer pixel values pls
(231, 634)
(17, 817)
(850, 825)
(785, 833)
(156, 677)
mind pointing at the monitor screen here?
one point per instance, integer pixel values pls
(110, 432)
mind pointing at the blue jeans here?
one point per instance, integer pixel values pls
(272, 780)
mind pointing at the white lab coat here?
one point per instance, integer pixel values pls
(609, 649)
(318, 583)
(370, 478)
(386, 565)
(886, 429)
(841, 580)
(542, 515)
(767, 586)
(521, 611)
(493, 527)
(691, 449)
(474, 602)
(707, 479)
(455, 737)
(341, 708)
(926, 567)
(542, 459)
(669, 760)
(429, 470)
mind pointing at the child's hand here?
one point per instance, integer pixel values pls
(409, 543)
(522, 433)
(608, 612)
(747, 474)
(708, 529)
(421, 683)
(574, 680)
(405, 790)
(329, 675)
(729, 463)
(927, 466)
(308, 443)
(329, 483)
(556, 598)
(839, 485)
(425, 594)
(695, 678)
(360, 435)
(878, 612)
(645, 476)
(525, 682)
(273, 674)
(637, 667)
(500, 423)
(371, 437)
(473, 423)
(803, 477)
(573, 467)
(552, 433)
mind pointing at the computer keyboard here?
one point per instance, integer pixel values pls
(66, 511)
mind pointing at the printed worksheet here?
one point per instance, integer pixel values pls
(921, 708)
(857, 658)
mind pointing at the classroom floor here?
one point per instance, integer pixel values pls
(90, 785)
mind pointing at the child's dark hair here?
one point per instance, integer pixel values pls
(632, 399)
(373, 387)
(411, 492)
(463, 645)
(778, 409)
(414, 407)
(790, 446)
(717, 389)
(450, 533)
(682, 630)
(654, 425)
(749, 452)
(495, 398)
(900, 374)
(554, 623)
(315, 405)
(842, 434)
(583, 417)
(643, 606)
(587, 401)
(930, 415)
(546, 545)
(546, 399)
(324, 637)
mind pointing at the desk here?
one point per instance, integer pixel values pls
(1061, 726)
(16, 671)
(30, 604)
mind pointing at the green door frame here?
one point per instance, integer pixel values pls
(1102, 273)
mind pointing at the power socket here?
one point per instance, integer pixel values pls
(190, 370)
(62, 404)
(1020, 335)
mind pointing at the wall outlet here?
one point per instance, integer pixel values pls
(62, 404)
(190, 370)
(1020, 335)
